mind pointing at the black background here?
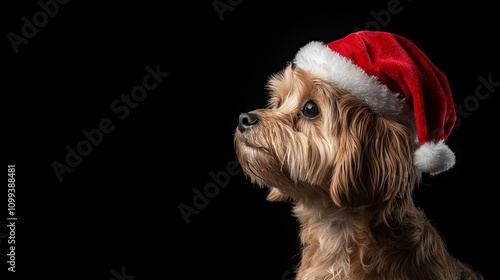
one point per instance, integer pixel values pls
(117, 213)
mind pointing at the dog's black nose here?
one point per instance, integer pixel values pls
(247, 120)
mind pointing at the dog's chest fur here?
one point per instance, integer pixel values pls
(326, 235)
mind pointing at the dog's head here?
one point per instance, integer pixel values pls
(315, 140)
(345, 122)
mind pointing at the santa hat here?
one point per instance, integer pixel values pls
(394, 77)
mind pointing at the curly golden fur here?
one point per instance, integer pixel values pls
(349, 173)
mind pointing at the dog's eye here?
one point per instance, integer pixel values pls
(310, 110)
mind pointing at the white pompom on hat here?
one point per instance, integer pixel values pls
(391, 75)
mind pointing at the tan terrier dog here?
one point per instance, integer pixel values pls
(349, 128)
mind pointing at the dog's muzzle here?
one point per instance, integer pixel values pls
(246, 121)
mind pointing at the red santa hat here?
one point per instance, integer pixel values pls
(394, 77)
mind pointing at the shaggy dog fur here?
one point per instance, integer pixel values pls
(349, 174)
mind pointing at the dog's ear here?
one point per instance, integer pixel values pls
(276, 195)
(374, 160)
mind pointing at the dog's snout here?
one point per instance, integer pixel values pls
(247, 120)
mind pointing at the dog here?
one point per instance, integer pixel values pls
(348, 130)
